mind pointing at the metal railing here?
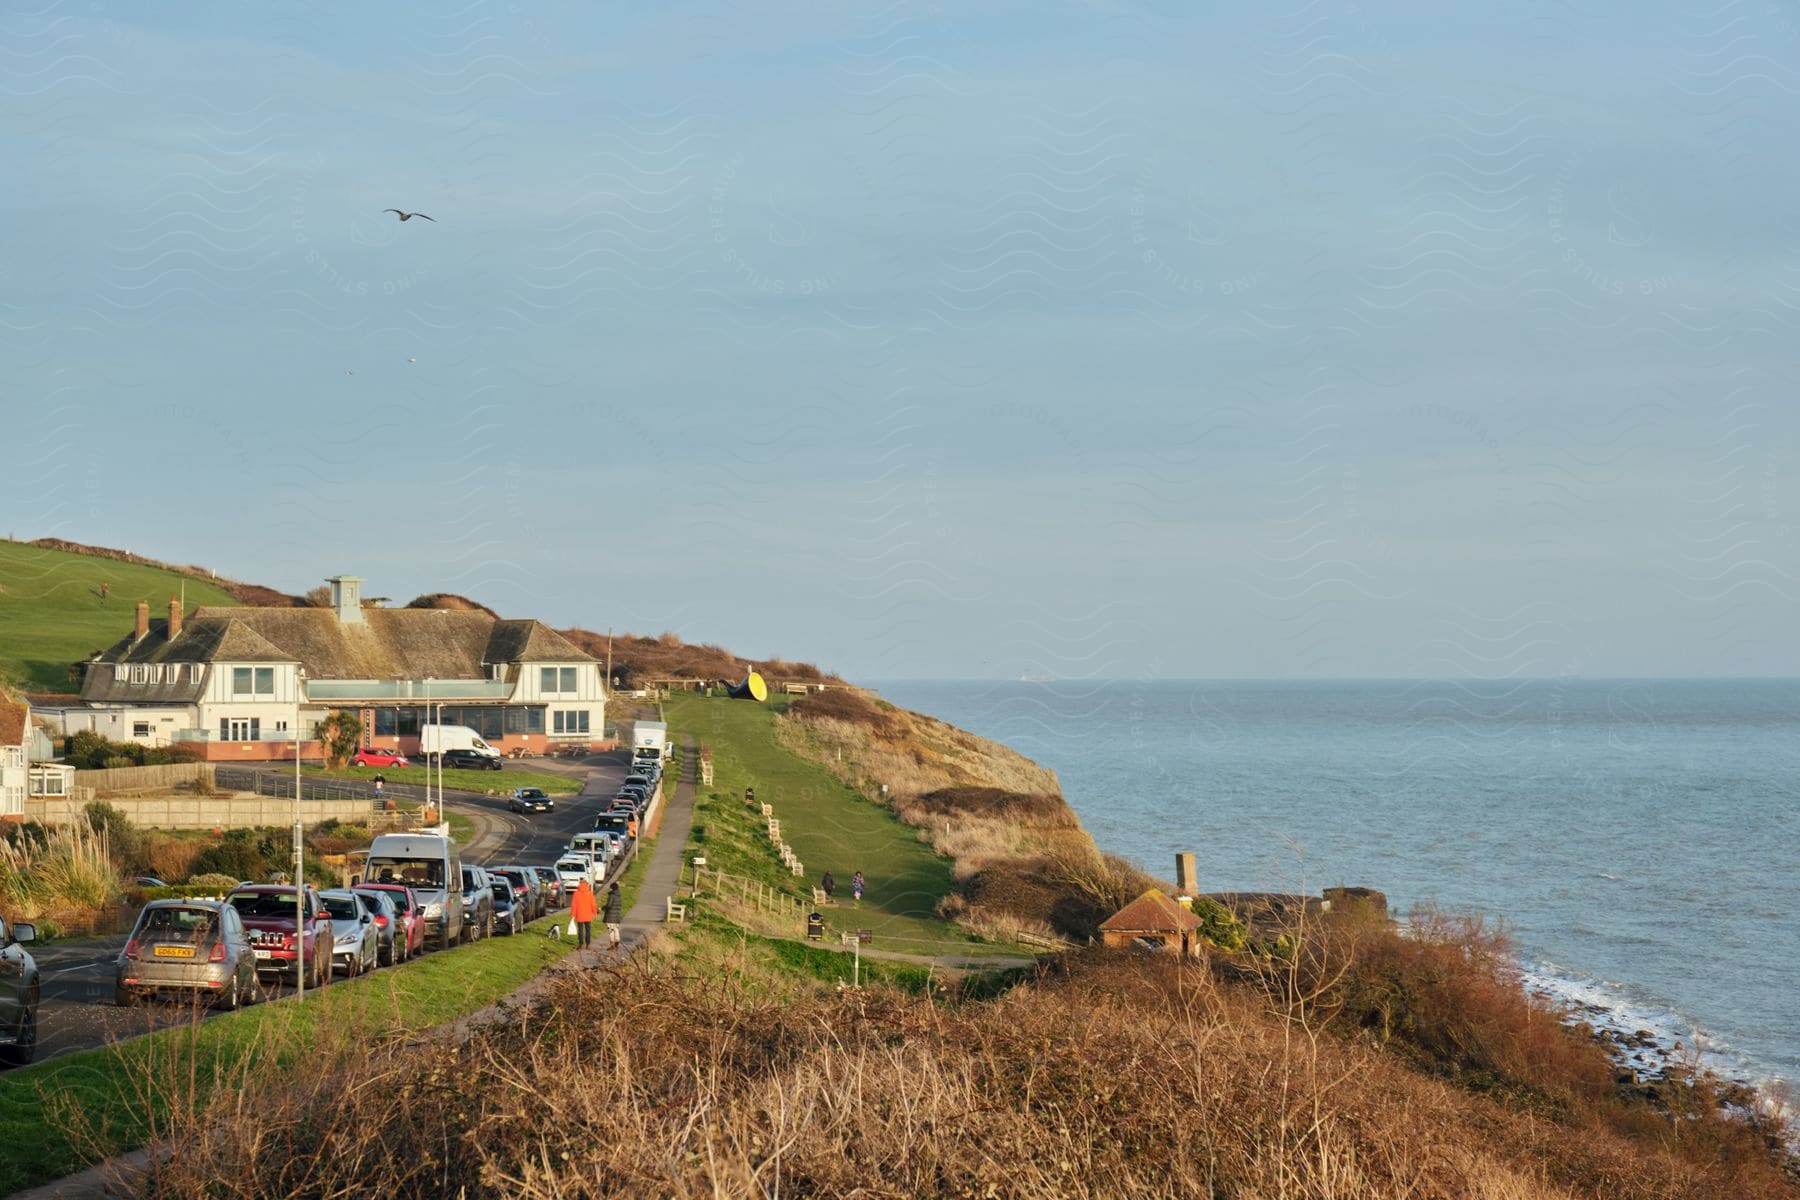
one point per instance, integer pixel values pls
(408, 689)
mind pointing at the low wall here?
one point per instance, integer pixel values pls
(162, 778)
(194, 812)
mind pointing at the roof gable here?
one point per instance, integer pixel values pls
(532, 641)
(14, 720)
(1152, 912)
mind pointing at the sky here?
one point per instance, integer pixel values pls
(1085, 340)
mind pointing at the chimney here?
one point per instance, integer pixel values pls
(143, 619)
(1185, 883)
(346, 599)
(174, 617)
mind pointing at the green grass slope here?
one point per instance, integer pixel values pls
(51, 613)
(829, 825)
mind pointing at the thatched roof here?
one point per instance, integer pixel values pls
(1152, 912)
(399, 643)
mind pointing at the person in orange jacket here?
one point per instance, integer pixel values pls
(582, 910)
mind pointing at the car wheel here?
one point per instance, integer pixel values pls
(124, 997)
(24, 1048)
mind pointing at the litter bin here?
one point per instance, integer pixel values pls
(815, 927)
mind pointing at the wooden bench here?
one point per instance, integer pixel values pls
(673, 911)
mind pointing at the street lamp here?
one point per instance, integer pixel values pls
(299, 857)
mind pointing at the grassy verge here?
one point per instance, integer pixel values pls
(50, 1122)
(51, 609)
(829, 825)
(492, 783)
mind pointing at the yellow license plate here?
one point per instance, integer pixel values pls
(173, 952)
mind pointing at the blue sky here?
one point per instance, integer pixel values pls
(934, 340)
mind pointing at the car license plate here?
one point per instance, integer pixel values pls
(265, 954)
(173, 952)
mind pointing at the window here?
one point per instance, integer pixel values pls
(120, 672)
(241, 729)
(155, 672)
(558, 681)
(253, 681)
(140, 729)
(138, 672)
(195, 671)
(569, 720)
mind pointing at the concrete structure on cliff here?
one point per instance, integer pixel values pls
(231, 682)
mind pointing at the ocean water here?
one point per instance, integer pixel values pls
(1640, 837)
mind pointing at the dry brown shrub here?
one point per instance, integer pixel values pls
(847, 705)
(995, 804)
(1111, 1076)
(171, 858)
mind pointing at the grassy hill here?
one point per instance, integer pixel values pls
(51, 613)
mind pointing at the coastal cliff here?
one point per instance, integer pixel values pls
(1022, 861)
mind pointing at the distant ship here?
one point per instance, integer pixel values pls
(1036, 677)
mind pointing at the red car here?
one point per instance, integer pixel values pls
(409, 939)
(375, 756)
(267, 912)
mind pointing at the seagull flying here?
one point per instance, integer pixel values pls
(406, 216)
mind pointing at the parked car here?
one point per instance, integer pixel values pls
(469, 760)
(552, 885)
(612, 822)
(636, 780)
(409, 917)
(148, 881)
(355, 945)
(375, 756)
(509, 915)
(530, 799)
(431, 865)
(390, 939)
(194, 947)
(20, 989)
(635, 791)
(477, 904)
(267, 912)
(525, 883)
(572, 869)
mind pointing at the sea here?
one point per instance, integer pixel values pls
(1639, 838)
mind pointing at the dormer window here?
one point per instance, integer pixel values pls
(497, 672)
(155, 672)
(195, 671)
(121, 672)
(139, 672)
(557, 681)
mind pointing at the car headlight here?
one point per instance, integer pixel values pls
(433, 911)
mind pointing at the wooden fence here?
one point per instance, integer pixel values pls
(164, 778)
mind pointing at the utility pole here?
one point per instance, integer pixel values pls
(609, 658)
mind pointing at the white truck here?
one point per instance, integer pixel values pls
(649, 741)
(435, 739)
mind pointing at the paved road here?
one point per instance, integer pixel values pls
(78, 1013)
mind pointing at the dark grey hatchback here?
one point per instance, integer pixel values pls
(194, 947)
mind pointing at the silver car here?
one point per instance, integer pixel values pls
(189, 947)
(356, 944)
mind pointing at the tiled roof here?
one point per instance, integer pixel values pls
(1152, 912)
(14, 719)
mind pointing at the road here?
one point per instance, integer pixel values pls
(77, 1012)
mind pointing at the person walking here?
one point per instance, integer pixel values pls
(614, 915)
(856, 887)
(582, 910)
(827, 885)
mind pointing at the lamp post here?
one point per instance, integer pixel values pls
(299, 862)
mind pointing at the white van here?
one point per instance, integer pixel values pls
(435, 739)
(572, 869)
(431, 865)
